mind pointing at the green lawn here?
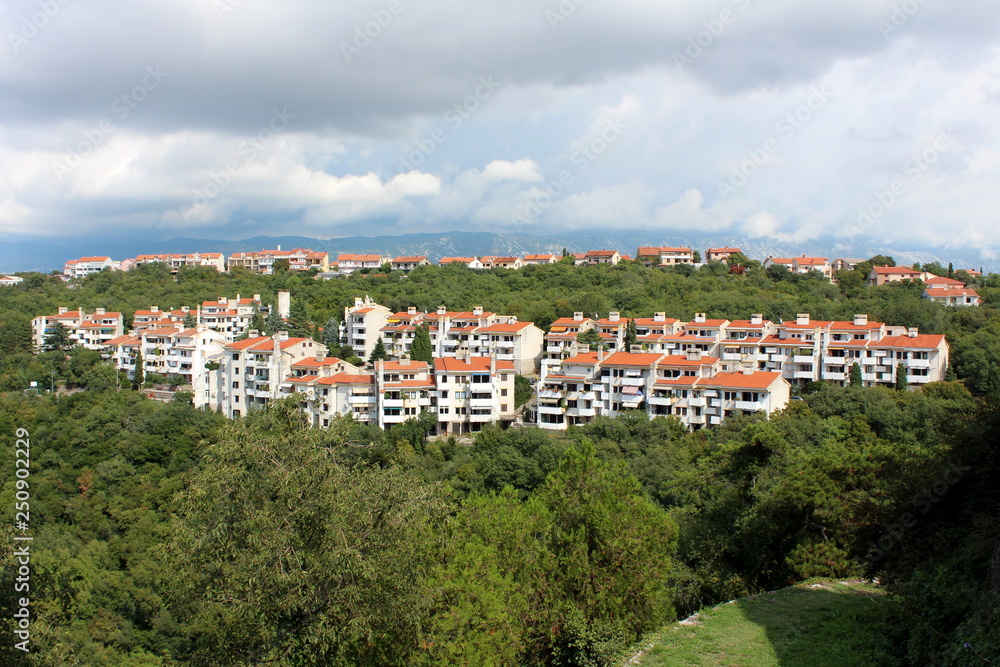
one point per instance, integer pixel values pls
(814, 624)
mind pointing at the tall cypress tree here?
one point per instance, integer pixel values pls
(422, 349)
(631, 335)
(139, 376)
(856, 379)
(901, 379)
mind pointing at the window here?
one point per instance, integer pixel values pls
(503, 392)
(503, 407)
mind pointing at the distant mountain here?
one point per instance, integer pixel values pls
(47, 255)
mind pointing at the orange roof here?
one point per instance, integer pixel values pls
(532, 257)
(601, 253)
(451, 260)
(410, 384)
(652, 322)
(811, 260)
(452, 365)
(923, 341)
(408, 260)
(889, 270)
(93, 259)
(359, 258)
(347, 378)
(682, 360)
(947, 291)
(632, 359)
(707, 323)
(504, 327)
(400, 366)
(586, 358)
(941, 281)
(746, 324)
(314, 362)
(780, 260)
(729, 250)
(123, 340)
(755, 380)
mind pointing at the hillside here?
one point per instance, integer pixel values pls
(812, 624)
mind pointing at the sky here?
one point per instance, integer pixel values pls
(228, 119)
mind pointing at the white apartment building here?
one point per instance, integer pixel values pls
(85, 266)
(90, 331)
(299, 259)
(952, 296)
(215, 260)
(689, 387)
(327, 386)
(560, 341)
(404, 389)
(540, 259)
(664, 255)
(251, 371)
(471, 392)
(348, 263)
(362, 325)
(471, 262)
(517, 342)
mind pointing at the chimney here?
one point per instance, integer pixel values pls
(154, 309)
(320, 355)
(223, 300)
(404, 360)
(911, 332)
(659, 317)
(442, 310)
(635, 349)
(63, 310)
(284, 303)
(281, 336)
(477, 311)
(412, 310)
(358, 302)
(747, 370)
(802, 318)
(860, 320)
(237, 298)
(602, 354)
(757, 318)
(253, 333)
(694, 355)
(99, 311)
(256, 297)
(279, 248)
(578, 316)
(582, 348)
(699, 318)
(614, 315)
(512, 319)
(493, 365)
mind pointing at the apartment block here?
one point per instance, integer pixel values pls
(85, 266)
(720, 254)
(472, 392)
(404, 389)
(560, 341)
(326, 387)
(519, 343)
(90, 331)
(176, 262)
(252, 370)
(664, 255)
(299, 259)
(362, 325)
(230, 317)
(349, 263)
(880, 275)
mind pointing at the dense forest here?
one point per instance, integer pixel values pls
(167, 535)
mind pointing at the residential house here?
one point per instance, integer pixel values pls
(664, 256)
(603, 257)
(540, 259)
(407, 264)
(85, 266)
(90, 331)
(952, 296)
(349, 263)
(880, 275)
(362, 325)
(472, 392)
(720, 254)
(560, 341)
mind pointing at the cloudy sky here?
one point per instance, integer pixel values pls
(232, 118)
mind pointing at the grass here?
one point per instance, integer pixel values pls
(817, 623)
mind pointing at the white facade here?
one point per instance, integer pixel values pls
(363, 324)
(90, 331)
(472, 392)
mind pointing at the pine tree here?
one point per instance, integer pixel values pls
(256, 320)
(901, 379)
(274, 323)
(331, 334)
(951, 270)
(58, 338)
(189, 321)
(855, 377)
(422, 349)
(298, 323)
(378, 352)
(631, 335)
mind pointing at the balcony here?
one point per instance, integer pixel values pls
(834, 361)
(697, 402)
(481, 419)
(834, 377)
(803, 375)
(732, 356)
(481, 403)
(918, 363)
(581, 412)
(749, 406)
(662, 400)
(550, 395)
(550, 410)
(633, 382)
(392, 403)
(803, 358)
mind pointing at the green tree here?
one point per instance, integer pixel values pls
(378, 352)
(190, 322)
(901, 380)
(331, 335)
(738, 259)
(58, 339)
(274, 322)
(631, 335)
(882, 260)
(421, 349)
(139, 375)
(281, 266)
(284, 556)
(589, 337)
(856, 379)
(696, 257)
